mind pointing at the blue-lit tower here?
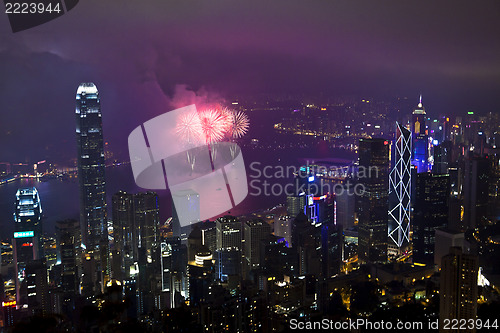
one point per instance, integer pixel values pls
(420, 153)
(27, 243)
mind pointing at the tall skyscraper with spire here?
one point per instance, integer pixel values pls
(91, 166)
(420, 154)
(91, 174)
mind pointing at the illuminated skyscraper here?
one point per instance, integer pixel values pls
(420, 155)
(295, 204)
(68, 244)
(147, 220)
(283, 228)
(91, 167)
(373, 203)
(442, 157)
(400, 189)
(37, 287)
(27, 236)
(135, 227)
(123, 233)
(92, 184)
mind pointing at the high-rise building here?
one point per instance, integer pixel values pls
(135, 227)
(37, 286)
(195, 242)
(345, 208)
(123, 233)
(91, 167)
(254, 233)
(306, 240)
(209, 235)
(189, 210)
(442, 157)
(67, 240)
(420, 155)
(174, 279)
(173, 256)
(476, 192)
(283, 228)
(332, 242)
(135, 231)
(147, 221)
(200, 272)
(445, 239)
(8, 313)
(295, 204)
(400, 189)
(321, 209)
(227, 264)
(458, 288)
(277, 259)
(494, 183)
(27, 236)
(166, 266)
(228, 229)
(430, 212)
(373, 203)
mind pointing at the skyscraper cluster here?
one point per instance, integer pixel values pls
(354, 239)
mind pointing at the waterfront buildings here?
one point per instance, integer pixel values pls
(27, 237)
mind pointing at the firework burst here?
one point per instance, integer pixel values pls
(214, 125)
(189, 127)
(239, 124)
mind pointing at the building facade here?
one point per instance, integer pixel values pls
(458, 287)
(27, 241)
(400, 189)
(430, 213)
(91, 167)
(373, 203)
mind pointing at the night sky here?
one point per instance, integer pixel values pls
(147, 57)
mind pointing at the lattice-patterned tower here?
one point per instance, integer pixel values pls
(400, 189)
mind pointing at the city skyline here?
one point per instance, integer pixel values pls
(154, 266)
(250, 166)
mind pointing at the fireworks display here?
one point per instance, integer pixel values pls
(239, 124)
(212, 125)
(189, 127)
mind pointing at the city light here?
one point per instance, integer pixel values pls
(361, 204)
(11, 303)
(24, 234)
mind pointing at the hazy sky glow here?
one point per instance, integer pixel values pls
(139, 52)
